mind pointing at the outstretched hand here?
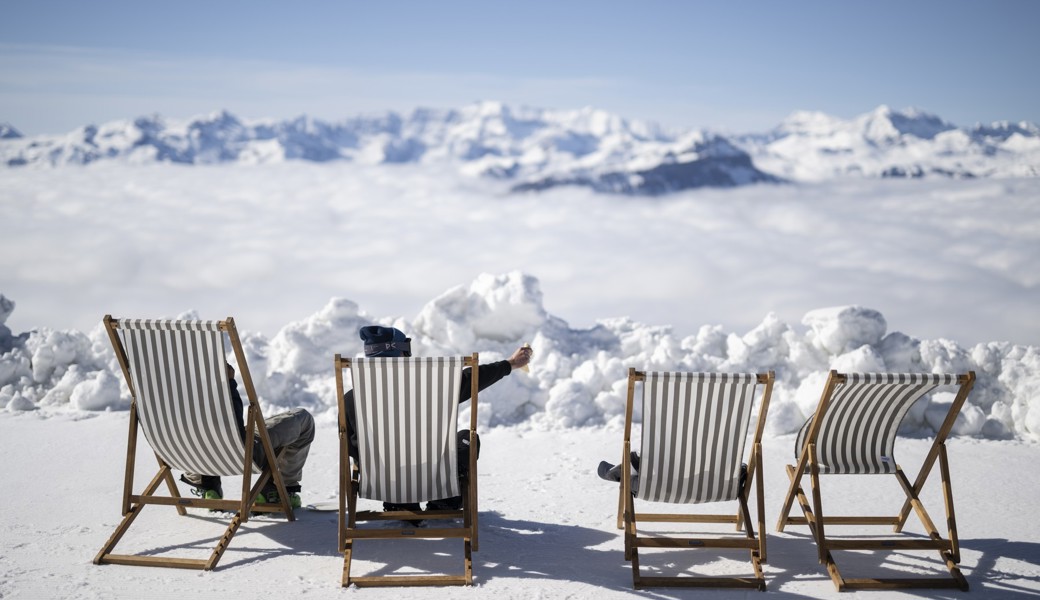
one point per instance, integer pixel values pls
(521, 357)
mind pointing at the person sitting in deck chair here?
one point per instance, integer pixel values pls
(391, 342)
(293, 431)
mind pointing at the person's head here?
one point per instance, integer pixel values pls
(385, 341)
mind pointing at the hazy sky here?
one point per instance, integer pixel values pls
(728, 66)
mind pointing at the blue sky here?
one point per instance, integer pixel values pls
(727, 66)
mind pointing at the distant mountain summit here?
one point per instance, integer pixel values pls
(538, 149)
(812, 146)
(8, 133)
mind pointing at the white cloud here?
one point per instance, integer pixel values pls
(269, 244)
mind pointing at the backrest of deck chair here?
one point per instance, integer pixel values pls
(180, 384)
(860, 420)
(694, 429)
(406, 411)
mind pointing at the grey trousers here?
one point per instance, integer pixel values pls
(292, 431)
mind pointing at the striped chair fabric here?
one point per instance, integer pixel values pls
(858, 431)
(406, 412)
(179, 374)
(694, 428)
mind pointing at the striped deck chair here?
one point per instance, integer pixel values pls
(406, 411)
(853, 431)
(180, 400)
(694, 429)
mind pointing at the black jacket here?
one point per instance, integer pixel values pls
(489, 374)
(236, 403)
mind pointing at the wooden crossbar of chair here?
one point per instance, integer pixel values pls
(350, 477)
(629, 518)
(132, 504)
(901, 392)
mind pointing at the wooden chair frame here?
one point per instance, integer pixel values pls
(628, 518)
(349, 480)
(815, 519)
(133, 504)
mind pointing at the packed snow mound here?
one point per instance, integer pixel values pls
(577, 377)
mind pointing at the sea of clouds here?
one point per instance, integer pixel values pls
(577, 376)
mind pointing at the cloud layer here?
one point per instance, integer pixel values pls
(270, 244)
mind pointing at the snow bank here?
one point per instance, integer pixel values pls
(577, 376)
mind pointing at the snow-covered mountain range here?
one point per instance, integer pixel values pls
(535, 149)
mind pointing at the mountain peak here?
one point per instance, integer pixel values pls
(8, 132)
(886, 124)
(809, 123)
(490, 108)
(539, 148)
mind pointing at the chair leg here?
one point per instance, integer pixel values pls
(469, 513)
(471, 487)
(814, 481)
(131, 514)
(633, 557)
(794, 473)
(347, 510)
(468, 550)
(832, 570)
(117, 535)
(172, 485)
(761, 493)
(632, 543)
(749, 529)
(348, 548)
(630, 528)
(105, 555)
(755, 555)
(951, 517)
(222, 545)
(826, 553)
(147, 496)
(952, 557)
(347, 520)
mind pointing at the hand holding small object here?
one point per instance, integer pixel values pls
(521, 358)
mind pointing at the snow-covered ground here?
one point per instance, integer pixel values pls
(547, 525)
(893, 276)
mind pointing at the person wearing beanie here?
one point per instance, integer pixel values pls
(392, 342)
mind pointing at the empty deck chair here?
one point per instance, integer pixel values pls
(693, 434)
(406, 411)
(177, 375)
(853, 431)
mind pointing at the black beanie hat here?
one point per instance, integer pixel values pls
(385, 341)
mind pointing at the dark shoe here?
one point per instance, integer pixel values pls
(453, 503)
(391, 507)
(613, 472)
(410, 506)
(207, 490)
